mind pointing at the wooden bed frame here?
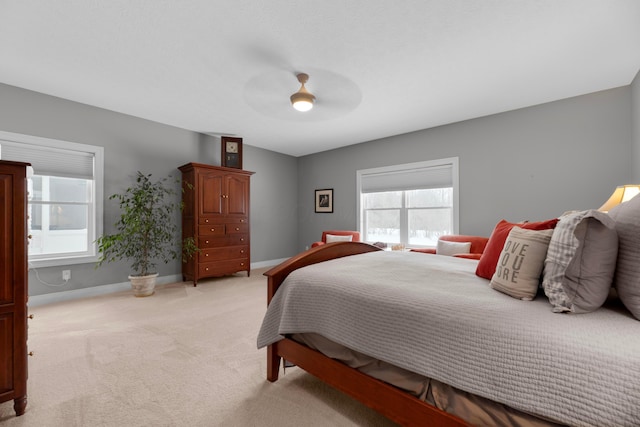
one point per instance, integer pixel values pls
(389, 401)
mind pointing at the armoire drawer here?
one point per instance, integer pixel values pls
(238, 239)
(221, 268)
(211, 230)
(237, 228)
(225, 253)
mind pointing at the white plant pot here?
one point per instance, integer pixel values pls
(143, 286)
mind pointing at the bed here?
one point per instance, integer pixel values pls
(433, 317)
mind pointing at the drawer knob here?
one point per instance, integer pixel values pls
(242, 220)
(206, 254)
(206, 269)
(242, 251)
(242, 264)
(206, 241)
(206, 221)
(237, 228)
(213, 229)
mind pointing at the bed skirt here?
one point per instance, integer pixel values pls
(475, 410)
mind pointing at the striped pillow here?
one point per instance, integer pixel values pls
(581, 262)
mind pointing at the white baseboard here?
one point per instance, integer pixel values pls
(269, 263)
(93, 291)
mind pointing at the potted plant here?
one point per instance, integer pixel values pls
(146, 232)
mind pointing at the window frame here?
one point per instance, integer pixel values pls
(451, 162)
(95, 221)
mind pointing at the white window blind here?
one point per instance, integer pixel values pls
(50, 161)
(408, 179)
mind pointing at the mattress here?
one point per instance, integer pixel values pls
(433, 316)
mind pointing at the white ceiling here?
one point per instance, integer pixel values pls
(377, 67)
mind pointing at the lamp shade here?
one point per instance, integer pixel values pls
(621, 194)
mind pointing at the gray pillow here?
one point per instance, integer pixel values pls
(627, 278)
(581, 262)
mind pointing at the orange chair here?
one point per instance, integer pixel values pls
(355, 236)
(478, 243)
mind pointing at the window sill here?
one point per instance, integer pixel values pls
(54, 262)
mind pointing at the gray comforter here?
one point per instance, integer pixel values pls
(432, 315)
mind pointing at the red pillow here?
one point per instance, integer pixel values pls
(489, 259)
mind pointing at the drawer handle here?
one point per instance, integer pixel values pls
(237, 228)
(242, 239)
(206, 269)
(206, 221)
(242, 220)
(242, 264)
(242, 251)
(213, 229)
(206, 255)
(206, 241)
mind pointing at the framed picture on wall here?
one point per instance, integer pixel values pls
(324, 201)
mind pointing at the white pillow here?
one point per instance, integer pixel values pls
(333, 238)
(452, 248)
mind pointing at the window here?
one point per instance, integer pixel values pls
(411, 204)
(65, 197)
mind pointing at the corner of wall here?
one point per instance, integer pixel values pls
(635, 128)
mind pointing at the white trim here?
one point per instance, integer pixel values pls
(93, 291)
(95, 229)
(70, 260)
(269, 263)
(73, 294)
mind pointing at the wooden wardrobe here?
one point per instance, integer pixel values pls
(216, 213)
(13, 284)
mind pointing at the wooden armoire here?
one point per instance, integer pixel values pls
(216, 214)
(13, 284)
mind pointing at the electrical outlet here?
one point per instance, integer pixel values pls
(66, 275)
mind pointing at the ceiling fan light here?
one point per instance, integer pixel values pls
(302, 100)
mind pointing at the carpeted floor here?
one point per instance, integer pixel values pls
(185, 356)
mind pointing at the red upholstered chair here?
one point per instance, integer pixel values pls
(355, 236)
(478, 243)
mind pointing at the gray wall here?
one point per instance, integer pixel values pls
(528, 164)
(133, 144)
(532, 163)
(635, 113)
